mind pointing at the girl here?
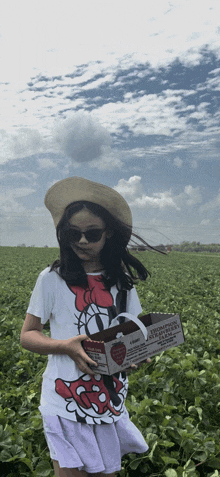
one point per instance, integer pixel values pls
(85, 421)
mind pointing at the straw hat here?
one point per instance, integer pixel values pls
(73, 189)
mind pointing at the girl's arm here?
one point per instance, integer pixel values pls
(34, 340)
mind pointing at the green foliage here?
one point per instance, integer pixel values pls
(196, 247)
(23, 450)
(174, 400)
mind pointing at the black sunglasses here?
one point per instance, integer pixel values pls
(92, 235)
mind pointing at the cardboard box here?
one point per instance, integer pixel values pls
(116, 348)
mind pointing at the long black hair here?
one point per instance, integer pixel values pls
(115, 256)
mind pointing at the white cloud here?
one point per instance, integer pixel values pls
(81, 137)
(190, 196)
(205, 222)
(193, 195)
(130, 187)
(46, 163)
(214, 83)
(24, 225)
(57, 45)
(9, 205)
(194, 164)
(6, 193)
(212, 204)
(178, 162)
(20, 143)
(108, 78)
(152, 114)
(159, 200)
(158, 33)
(49, 68)
(109, 160)
(201, 112)
(28, 176)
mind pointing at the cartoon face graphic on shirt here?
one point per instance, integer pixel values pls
(91, 396)
(98, 397)
(95, 305)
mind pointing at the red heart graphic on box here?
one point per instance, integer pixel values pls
(118, 352)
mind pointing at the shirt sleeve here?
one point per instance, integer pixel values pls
(133, 303)
(43, 295)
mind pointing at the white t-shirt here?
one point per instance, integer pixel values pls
(66, 391)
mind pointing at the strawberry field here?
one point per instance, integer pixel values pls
(174, 400)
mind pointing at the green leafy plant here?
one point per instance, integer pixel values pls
(174, 400)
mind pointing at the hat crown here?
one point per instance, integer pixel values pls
(74, 189)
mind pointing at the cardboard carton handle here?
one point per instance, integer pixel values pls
(132, 318)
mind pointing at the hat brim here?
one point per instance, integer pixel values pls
(74, 189)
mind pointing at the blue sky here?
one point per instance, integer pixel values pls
(120, 92)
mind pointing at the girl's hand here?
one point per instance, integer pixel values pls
(75, 351)
(134, 367)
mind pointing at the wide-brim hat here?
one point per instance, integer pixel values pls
(74, 189)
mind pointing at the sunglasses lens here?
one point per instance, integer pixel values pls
(74, 236)
(93, 235)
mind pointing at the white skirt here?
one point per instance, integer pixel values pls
(92, 447)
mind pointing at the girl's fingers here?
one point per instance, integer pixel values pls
(84, 355)
(83, 337)
(78, 354)
(148, 360)
(85, 362)
(84, 367)
(87, 359)
(134, 367)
